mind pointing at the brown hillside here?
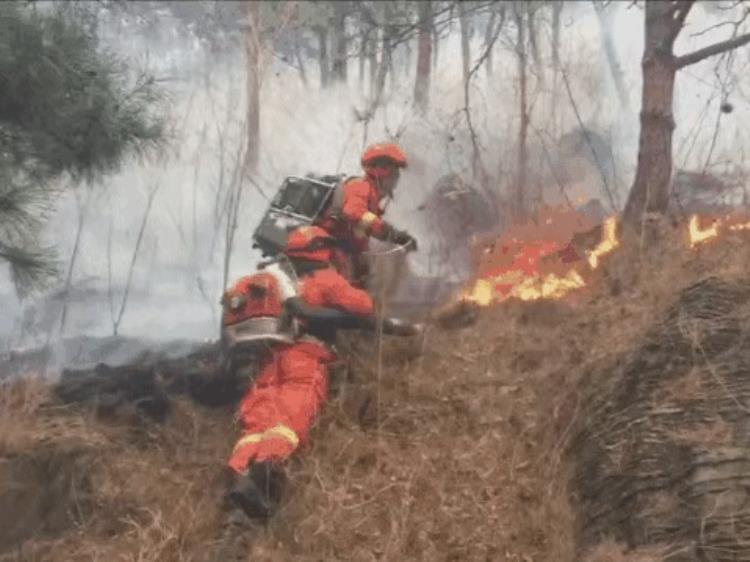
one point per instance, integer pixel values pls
(461, 452)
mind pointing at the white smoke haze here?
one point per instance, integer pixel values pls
(178, 275)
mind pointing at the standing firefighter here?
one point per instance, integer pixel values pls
(355, 213)
(278, 411)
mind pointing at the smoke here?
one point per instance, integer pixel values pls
(178, 272)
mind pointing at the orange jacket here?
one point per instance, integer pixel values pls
(360, 215)
(327, 287)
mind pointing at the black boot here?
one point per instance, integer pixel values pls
(258, 492)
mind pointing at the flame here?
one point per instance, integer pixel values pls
(522, 274)
(608, 243)
(522, 267)
(741, 226)
(699, 235)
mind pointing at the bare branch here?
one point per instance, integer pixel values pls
(678, 16)
(711, 50)
(736, 24)
(477, 158)
(599, 166)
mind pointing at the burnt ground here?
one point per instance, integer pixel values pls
(464, 446)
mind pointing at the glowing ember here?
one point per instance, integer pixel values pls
(609, 242)
(547, 287)
(743, 226)
(699, 235)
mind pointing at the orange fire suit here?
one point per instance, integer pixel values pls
(277, 413)
(359, 217)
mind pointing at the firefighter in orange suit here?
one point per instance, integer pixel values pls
(356, 212)
(278, 411)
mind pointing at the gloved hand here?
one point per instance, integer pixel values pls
(403, 238)
(397, 327)
(400, 237)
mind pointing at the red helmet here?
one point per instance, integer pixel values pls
(378, 159)
(310, 242)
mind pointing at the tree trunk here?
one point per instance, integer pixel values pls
(465, 36)
(362, 57)
(372, 56)
(605, 25)
(533, 43)
(521, 180)
(322, 33)
(386, 63)
(488, 34)
(424, 56)
(557, 8)
(435, 45)
(252, 49)
(650, 191)
(300, 59)
(664, 21)
(339, 66)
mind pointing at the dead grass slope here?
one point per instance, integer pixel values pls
(448, 449)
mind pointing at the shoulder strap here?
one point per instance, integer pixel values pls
(337, 200)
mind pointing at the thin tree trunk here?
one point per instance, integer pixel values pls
(82, 213)
(521, 180)
(465, 36)
(557, 8)
(339, 66)
(322, 33)
(488, 34)
(110, 295)
(610, 51)
(407, 58)
(386, 63)
(531, 14)
(126, 293)
(300, 59)
(372, 58)
(362, 57)
(424, 56)
(252, 49)
(435, 45)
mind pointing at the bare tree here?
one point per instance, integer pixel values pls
(424, 56)
(488, 33)
(386, 54)
(83, 208)
(149, 202)
(557, 8)
(435, 38)
(664, 22)
(605, 24)
(321, 32)
(531, 13)
(464, 22)
(253, 50)
(519, 202)
(339, 66)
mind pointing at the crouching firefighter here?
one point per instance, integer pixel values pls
(355, 214)
(278, 411)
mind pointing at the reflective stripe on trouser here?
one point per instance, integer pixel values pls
(277, 412)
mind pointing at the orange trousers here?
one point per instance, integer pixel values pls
(276, 414)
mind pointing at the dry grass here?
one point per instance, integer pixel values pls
(459, 455)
